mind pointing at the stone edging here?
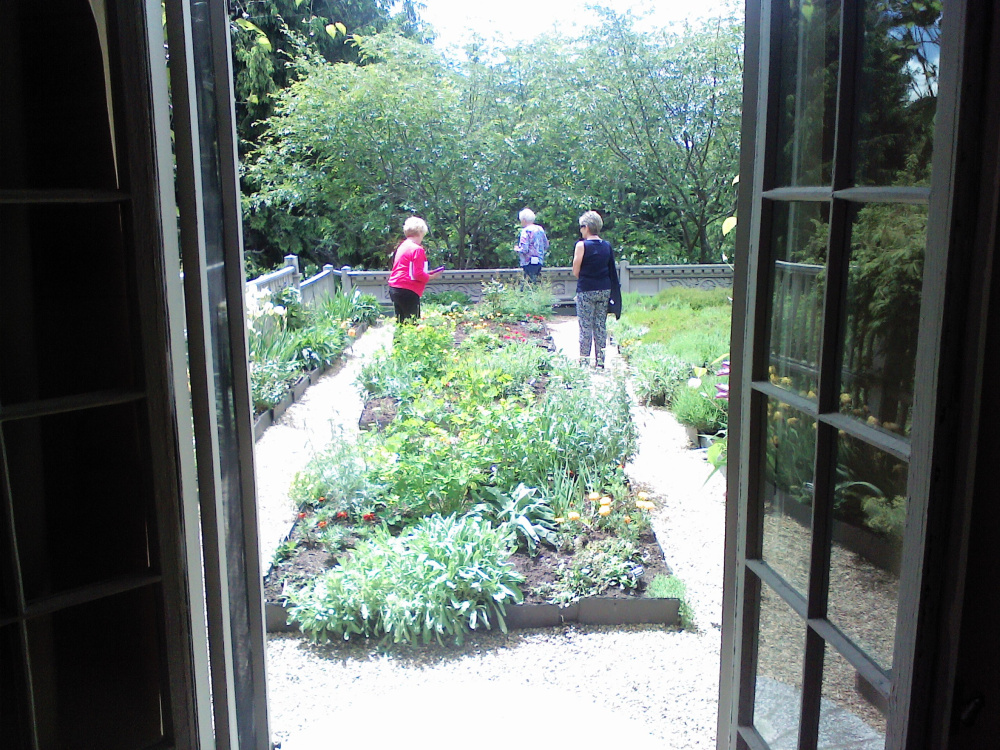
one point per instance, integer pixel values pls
(594, 610)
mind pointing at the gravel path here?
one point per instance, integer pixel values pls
(644, 686)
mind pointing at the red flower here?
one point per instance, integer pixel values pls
(342, 514)
(322, 524)
(322, 499)
(301, 516)
(369, 516)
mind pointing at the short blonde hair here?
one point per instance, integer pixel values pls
(593, 221)
(414, 226)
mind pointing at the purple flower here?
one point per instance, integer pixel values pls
(722, 391)
(723, 369)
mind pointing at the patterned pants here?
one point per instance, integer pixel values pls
(592, 315)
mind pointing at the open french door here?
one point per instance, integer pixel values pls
(861, 284)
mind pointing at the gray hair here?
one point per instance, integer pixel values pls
(526, 215)
(414, 226)
(593, 221)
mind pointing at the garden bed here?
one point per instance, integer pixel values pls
(490, 481)
(614, 607)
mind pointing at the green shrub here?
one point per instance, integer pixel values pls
(339, 475)
(656, 375)
(699, 408)
(452, 299)
(516, 301)
(441, 579)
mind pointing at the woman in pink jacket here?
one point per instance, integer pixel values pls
(409, 274)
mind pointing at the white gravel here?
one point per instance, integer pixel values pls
(583, 686)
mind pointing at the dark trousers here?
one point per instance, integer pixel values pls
(405, 302)
(532, 271)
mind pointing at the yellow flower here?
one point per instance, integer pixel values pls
(845, 399)
(573, 516)
(352, 332)
(604, 510)
(605, 500)
(627, 519)
(811, 394)
(643, 496)
(593, 496)
(792, 421)
(560, 519)
(872, 421)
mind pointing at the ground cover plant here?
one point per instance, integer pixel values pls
(287, 339)
(492, 432)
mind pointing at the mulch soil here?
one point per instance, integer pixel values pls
(309, 560)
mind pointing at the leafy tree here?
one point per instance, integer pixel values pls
(665, 110)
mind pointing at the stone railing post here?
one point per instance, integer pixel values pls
(292, 261)
(623, 276)
(345, 280)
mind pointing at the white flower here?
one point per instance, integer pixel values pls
(694, 383)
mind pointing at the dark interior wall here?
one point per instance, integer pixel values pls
(81, 637)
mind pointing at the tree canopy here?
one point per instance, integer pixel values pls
(642, 126)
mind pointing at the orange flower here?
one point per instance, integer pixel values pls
(322, 524)
(604, 510)
(573, 516)
(627, 519)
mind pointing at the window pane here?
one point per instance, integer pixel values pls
(883, 310)
(778, 701)
(869, 515)
(81, 493)
(799, 240)
(807, 85)
(850, 717)
(788, 492)
(897, 95)
(96, 674)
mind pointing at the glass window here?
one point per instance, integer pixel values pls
(806, 93)
(897, 92)
(778, 700)
(799, 241)
(851, 713)
(869, 516)
(885, 279)
(788, 493)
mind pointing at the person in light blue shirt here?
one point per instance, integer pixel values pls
(532, 245)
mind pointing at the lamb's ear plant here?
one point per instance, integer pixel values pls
(529, 515)
(443, 578)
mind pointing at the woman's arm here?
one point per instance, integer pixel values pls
(577, 259)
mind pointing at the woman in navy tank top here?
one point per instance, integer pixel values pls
(593, 266)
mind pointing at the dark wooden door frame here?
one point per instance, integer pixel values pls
(958, 269)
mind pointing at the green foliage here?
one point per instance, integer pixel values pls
(601, 565)
(530, 517)
(672, 587)
(886, 515)
(439, 580)
(338, 476)
(657, 375)
(349, 150)
(699, 408)
(516, 301)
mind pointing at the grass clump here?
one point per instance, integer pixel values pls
(672, 587)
